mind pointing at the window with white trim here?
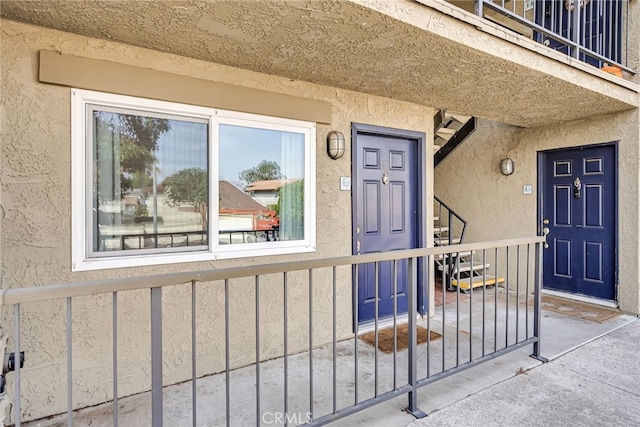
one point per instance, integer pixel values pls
(158, 182)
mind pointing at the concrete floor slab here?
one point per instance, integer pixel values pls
(591, 386)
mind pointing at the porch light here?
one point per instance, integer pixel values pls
(507, 167)
(335, 144)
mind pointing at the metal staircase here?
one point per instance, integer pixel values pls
(459, 269)
(450, 130)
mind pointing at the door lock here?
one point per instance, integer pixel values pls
(545, 221)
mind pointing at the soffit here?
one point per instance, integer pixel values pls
(334, 43)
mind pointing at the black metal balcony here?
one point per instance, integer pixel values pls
(593, 31)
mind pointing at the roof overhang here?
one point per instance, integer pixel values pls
(403, 50)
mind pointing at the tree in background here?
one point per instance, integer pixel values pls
(131, 143)
(189, 186)
(265, 171)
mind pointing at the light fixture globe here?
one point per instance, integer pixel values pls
(507, 167)
(335, 144)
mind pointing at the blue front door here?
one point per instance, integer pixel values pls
(385, 200)
(578, 206)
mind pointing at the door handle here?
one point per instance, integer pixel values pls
(358, 247)
(545, 232)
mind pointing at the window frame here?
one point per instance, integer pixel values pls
(82, 220)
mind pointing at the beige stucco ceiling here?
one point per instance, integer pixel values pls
(348, 44)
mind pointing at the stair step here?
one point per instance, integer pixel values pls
(455, 254)
(445, 133)
(458, 117)
(477, 281)
(436, 218)
(466, 266)
(440, 229)
(444, 241)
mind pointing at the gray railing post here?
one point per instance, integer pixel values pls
(412, 282)
(156, 357)
(537, 303)
(576, 28)
(479, 8)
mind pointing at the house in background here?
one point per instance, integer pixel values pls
(217, 86)
(241, 217)
(267, 192)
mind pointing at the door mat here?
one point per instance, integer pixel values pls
(385, 338)
(581, 310)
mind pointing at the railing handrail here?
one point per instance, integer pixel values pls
(453, 213)
(97, 287)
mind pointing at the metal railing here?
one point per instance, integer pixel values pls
(594, 31)
(455, 226)
(476, 327)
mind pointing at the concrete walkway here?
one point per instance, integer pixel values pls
(596, 384)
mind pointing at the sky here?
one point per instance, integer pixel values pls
(185, 146)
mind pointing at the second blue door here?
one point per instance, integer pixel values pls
(578, 201)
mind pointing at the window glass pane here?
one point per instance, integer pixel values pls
(149, 182)
(261, 185)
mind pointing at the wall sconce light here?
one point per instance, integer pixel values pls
(507, 167)
(335, 144)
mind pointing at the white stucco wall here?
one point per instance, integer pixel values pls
(495, 206)
(35, 201)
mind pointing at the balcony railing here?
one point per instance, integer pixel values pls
(272, 339)
(593, 31)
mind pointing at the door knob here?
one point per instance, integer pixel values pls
(358, 247)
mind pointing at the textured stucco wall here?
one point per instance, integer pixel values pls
(35, 202)
(495, 206)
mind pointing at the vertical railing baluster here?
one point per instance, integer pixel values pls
(311, 343)
(355, 340)
(194, 371)
(115, 357)
(537, 301)
(626, 35)
(506, 310)
(375, 322)
(335, 339)
(526, 307)
(226, 355)
(517, 294)
(16, 356)
(395, 322)
(537, 306)
(257, 304)
(426, 300)
(412, 302)
(471, 276)
(457, 309)
(610, 28)
(484, 298)
(445, 274)
(156, 357)
(576, 27)
(286, 351)
(495, 305)
(69, 365)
